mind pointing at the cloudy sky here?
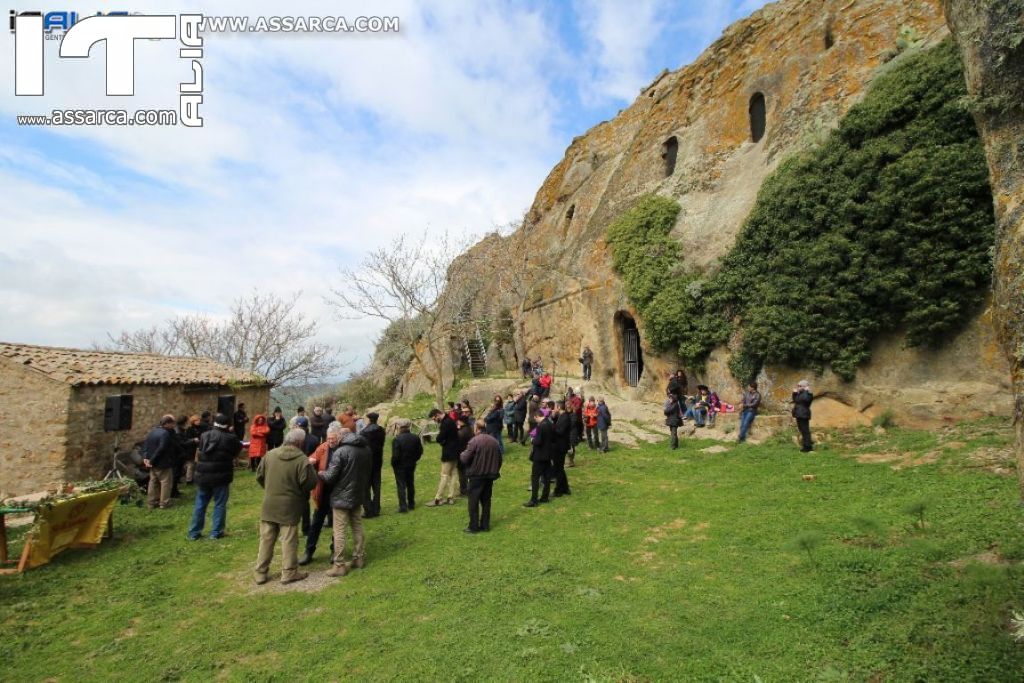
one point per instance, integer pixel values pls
(314, 150)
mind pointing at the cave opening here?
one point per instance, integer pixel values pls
(757, 117)
(669, 152)
(632, 354)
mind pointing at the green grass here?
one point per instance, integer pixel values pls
(662, 565)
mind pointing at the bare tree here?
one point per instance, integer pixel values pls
(263, 333)
(419, 286)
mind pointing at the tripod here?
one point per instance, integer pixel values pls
(115, 466)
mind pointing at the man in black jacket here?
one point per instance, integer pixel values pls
(347, 472)
(482, 458)
(541, 456)
(215, 469)
(374, 435)
(160, 455)
(448, 438)
(802, 398)
(519, 418)
(563, 442)
(406, 451)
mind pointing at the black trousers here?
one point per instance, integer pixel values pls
(254, 463)
(592, 438)
(559, 475)
(804, 425)
(521, 431)
(540, 472)
(674, 430)
(462, 478)
(371, 502)
(304, 525)
(511, 427)
(480, 503)
(587, 367)
(405, 482)
(320, 515)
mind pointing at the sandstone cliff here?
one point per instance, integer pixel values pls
(808, 62)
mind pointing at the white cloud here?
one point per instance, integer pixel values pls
(315, 150)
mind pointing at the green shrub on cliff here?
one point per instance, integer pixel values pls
(886, 226)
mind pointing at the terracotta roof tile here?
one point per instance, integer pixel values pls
(79, 366)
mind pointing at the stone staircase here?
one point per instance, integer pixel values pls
(475, 352)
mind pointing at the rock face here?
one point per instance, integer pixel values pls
(989, 35)
(695, 135)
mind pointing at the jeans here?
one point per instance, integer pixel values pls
(480, 503)
(696, 414)
(746, 419)
(405, 482)
(604, 439)
(592, 437)
(322, 513)
(219, 496)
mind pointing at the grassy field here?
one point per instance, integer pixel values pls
(662, 565)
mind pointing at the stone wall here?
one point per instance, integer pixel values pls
(90, 449)
(33, 429)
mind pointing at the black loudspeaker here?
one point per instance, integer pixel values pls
(117, 413)
(226, 405)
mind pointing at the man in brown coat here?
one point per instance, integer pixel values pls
(287, 478)
(482, 458)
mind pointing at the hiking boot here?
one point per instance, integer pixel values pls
(358, 563)
(530, 504)
(306, 559)
(450, 501)
(434, 503)
(297, 576)
(338, 570)
(261, 579)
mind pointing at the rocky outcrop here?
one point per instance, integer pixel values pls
(990, 34)
(690, 135)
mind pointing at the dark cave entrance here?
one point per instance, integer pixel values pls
(632, 354)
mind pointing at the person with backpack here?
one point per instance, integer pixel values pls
(673, 417)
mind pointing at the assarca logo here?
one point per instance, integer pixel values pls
(119, 31)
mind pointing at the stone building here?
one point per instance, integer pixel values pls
(52, 403)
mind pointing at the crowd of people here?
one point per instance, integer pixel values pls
(335, 461)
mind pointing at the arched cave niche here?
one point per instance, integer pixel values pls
(632, 356)
(830, 36)
(757, 117)
(669, 151)
(568, 220)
